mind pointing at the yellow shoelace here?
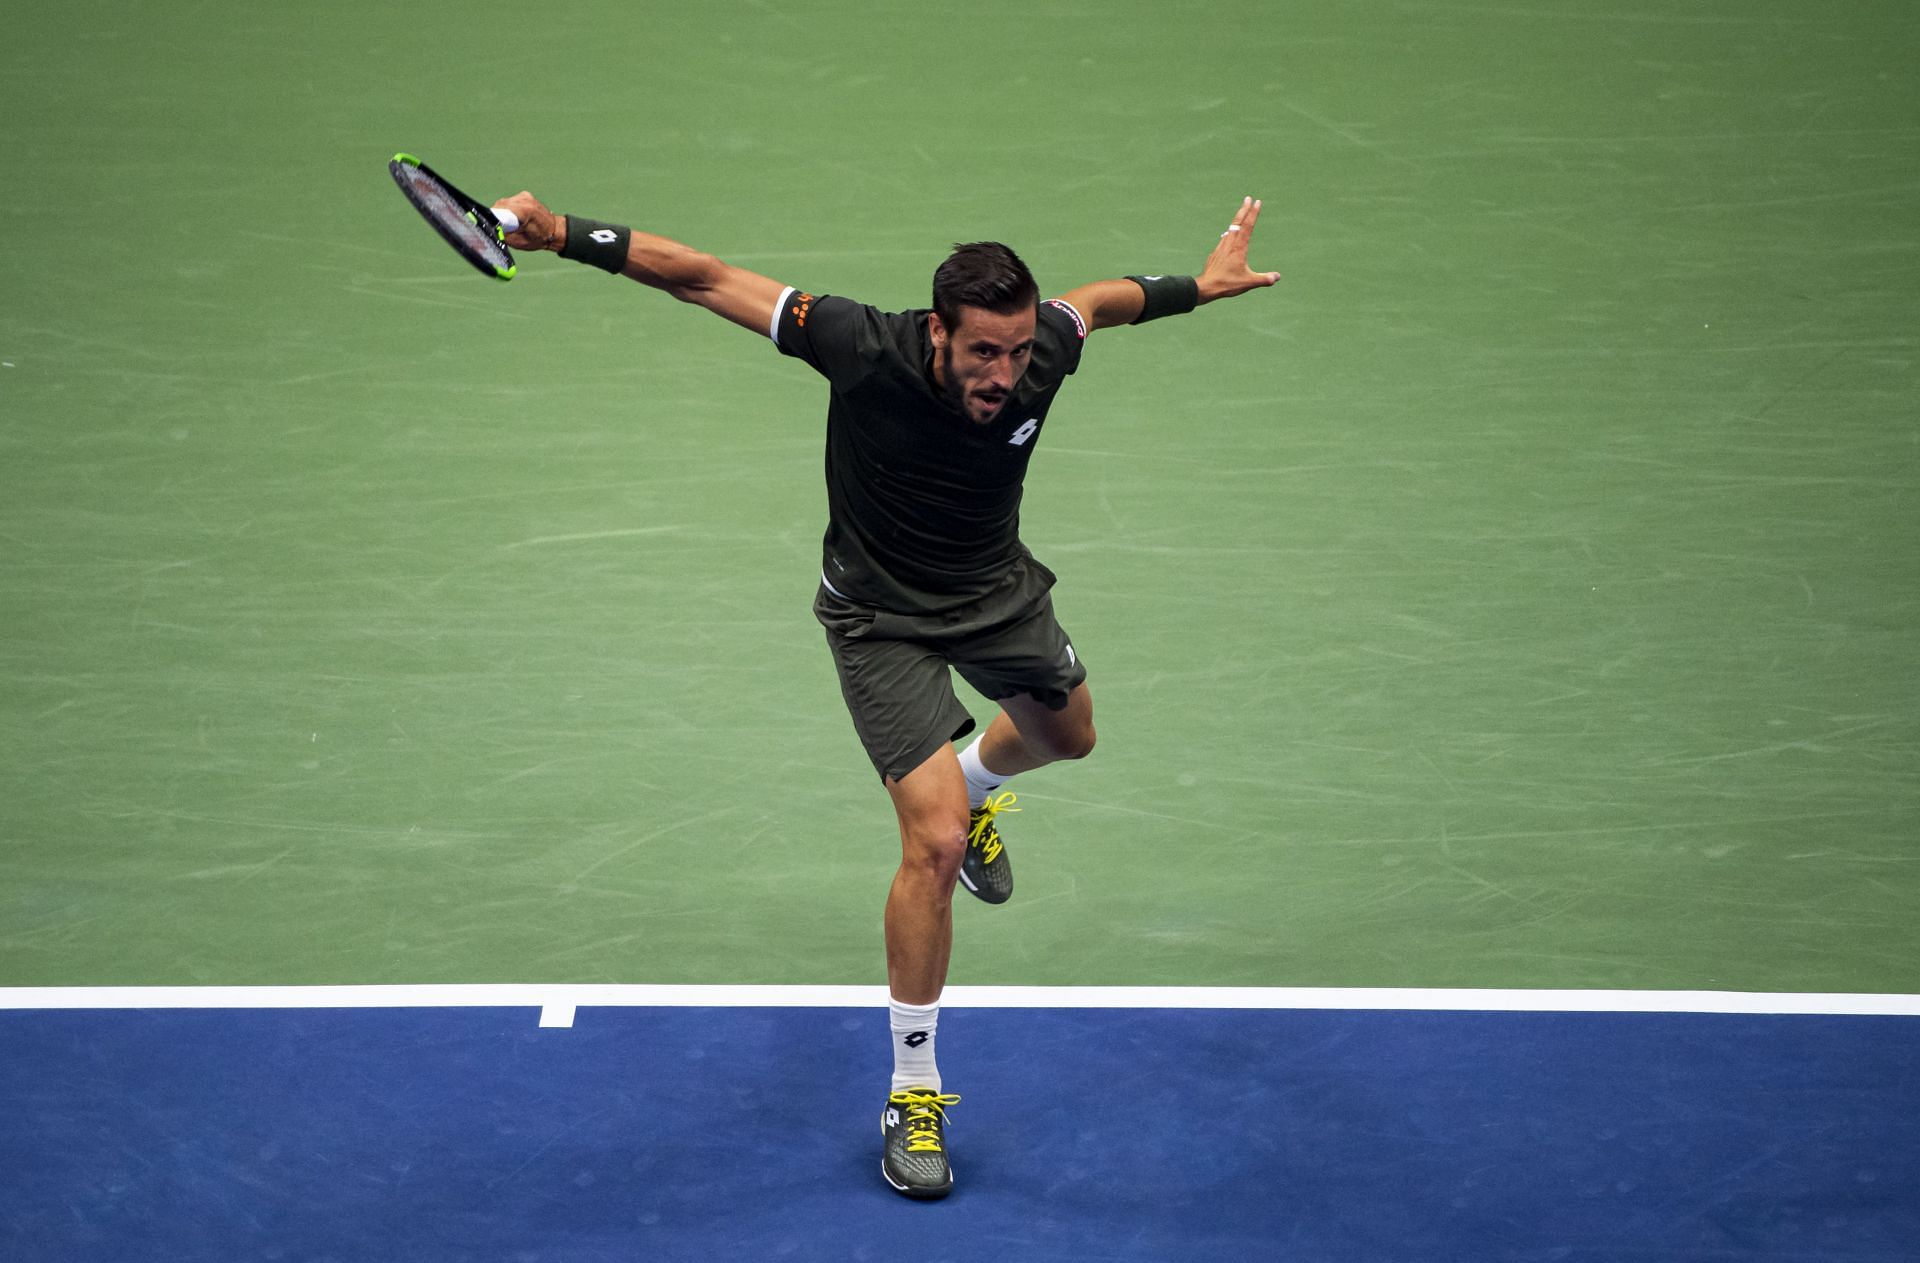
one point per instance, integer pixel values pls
(923, 1111)
(983, 834)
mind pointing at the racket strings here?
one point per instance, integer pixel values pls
(451, 216)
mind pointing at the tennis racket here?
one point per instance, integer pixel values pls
(478, 232)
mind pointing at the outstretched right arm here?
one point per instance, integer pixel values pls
(690, 275)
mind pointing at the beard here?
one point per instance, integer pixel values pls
(950, 381)
(957, 393)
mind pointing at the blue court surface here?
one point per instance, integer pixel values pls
(752, 1133)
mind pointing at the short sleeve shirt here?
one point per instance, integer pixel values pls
(923, 501)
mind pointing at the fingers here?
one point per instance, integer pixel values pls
(1227, 266)
(526, 208)
(538, 225)
(1244, 219)
(1232, 250)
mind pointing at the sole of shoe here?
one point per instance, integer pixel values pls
(920, 1194)
(983, 895)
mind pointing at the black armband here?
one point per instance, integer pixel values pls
(1166, 296)
(602, 245)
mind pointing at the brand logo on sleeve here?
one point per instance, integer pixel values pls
(1079, 324)
(802, 304)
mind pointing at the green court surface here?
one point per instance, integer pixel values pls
(1522, 594)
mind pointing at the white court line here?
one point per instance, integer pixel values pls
(558, 1002)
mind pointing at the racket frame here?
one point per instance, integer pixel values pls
(477, 214)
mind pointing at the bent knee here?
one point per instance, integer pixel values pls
(1076, 743)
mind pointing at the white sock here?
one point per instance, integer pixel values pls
(913, 1029)
(980, 781)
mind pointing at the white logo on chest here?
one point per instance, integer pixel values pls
(1025, 432)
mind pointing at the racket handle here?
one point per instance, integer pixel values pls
(508, 220)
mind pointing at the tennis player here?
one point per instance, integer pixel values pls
(932, 417)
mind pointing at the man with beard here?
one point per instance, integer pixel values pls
(932, 418)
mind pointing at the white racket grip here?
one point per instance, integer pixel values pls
(508, 220)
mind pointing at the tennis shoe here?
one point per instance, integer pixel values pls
(914, 1159)
(985, 869)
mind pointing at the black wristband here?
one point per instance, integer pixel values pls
(602, 245)
(1166, 296)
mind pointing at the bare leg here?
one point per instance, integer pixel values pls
(1026, 735)
(931, 802)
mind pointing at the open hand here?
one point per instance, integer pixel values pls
(1226, 272)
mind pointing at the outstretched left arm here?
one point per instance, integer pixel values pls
(1105, 304)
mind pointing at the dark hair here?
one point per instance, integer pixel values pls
(982, 274)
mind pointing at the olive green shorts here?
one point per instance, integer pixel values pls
(894, 667)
